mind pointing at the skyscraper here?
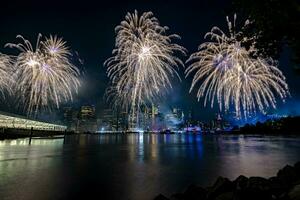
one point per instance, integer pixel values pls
(87, 122)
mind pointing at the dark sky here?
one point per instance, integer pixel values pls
(88, 27)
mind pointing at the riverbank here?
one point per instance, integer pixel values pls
(18, 133)
(284, 186)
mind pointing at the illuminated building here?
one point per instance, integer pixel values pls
(87, 121)
(87, 112)
(71, 118)
(106, 121)
(124, 120)
(153, 123)
(218, 122)
(113, 120)
(149, 117)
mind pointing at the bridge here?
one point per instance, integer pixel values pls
(8, 120)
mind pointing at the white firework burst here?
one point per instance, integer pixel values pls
(44, 74)
(143, 61)
(234, 74)
(6, 74)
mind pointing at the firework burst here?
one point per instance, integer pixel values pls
(233, 73)
(143, 61)
(6, 73)
(44, 74)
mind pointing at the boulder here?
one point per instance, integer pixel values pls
(297, 170)
(287, 175)
(241, 182)
(194, 192)
(258, 183)
(225, 196)
(177, 196)
(294, 194)
(161, 197)
(285, 186)
(277, 188)
(222, 185)
(256, 188)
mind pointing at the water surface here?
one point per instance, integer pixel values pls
(134, 166)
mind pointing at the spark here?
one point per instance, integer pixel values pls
(6, 74)
(234, 74)
(44, 74)
(143, 61)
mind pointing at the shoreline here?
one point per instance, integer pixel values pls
(19, 134)
(284, 186)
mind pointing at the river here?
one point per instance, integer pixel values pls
(134, 166)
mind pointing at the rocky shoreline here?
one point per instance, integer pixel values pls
(284, 186)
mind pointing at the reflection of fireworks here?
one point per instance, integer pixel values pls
(142, 61)
(234, 74)
(6, 72)
(44, 74)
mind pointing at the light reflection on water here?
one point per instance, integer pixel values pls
(134, 166)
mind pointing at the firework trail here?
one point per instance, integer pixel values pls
(143, 61)
(6, 73)
(233, 73)
(44, 74)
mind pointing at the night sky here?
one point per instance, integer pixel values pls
(88, 27)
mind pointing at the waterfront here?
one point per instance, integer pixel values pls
(135, 166)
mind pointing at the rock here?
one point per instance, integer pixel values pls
(194, 192)
(161, 197)
(287, 175)
(258, 183)
(222, 185)
(282, 197)
(297, 166)
(225, 196)
(241, 182)
(177, 196)
(243, 188)
(294, 194)
(277, 188)
(297, 170)
(256, 188)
